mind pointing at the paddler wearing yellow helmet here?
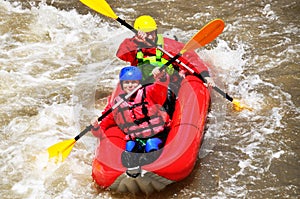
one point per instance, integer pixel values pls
(145, 23)
(138, 52)
(147, 28)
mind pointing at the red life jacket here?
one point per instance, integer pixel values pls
(141, 118)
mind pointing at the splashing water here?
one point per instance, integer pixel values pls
(54, 63)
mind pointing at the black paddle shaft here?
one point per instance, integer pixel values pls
(124, 23)
(225, 95)
(127, 25)
(88, 128)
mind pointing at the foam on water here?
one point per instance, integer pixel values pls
(229, 64)
(38, 74)
(50, 60)
(27, 158)
(48, 73)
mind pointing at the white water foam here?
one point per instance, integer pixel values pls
(49, 60)
(38, 74)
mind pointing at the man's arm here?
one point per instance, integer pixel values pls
(127, 51)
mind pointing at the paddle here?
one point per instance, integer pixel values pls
(61, 150)
(102, 7)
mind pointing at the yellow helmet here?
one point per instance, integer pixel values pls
(145, 23)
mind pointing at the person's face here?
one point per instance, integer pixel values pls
(130, 85)
(151, 35)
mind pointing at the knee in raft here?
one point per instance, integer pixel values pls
(153, 144)
(132, 146)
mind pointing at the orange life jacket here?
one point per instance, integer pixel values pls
(141, 118)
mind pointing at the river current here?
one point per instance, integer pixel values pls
(58, 64)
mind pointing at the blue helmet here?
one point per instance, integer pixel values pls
(130, 73)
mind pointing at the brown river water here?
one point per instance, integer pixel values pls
(57, 60)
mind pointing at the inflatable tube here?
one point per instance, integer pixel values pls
(176, 159)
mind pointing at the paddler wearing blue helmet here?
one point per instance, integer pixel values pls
(140, 123)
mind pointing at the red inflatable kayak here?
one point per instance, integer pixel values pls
(178, 155)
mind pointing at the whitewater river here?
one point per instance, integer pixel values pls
(57, 65)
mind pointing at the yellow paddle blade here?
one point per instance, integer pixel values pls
(238, 106)
(207, 34)
(61, 150)
(100, 6)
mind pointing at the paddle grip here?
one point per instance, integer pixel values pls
(82, 133)
(105, 114)
(225, 95)
(170, 61)
(127, 25)
(163, 67)
(199, 76)
(124, 23)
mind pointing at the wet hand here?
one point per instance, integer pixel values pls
(140, 36)
(96, 131)
(209, 82)
(95, 122)
(157, 74)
